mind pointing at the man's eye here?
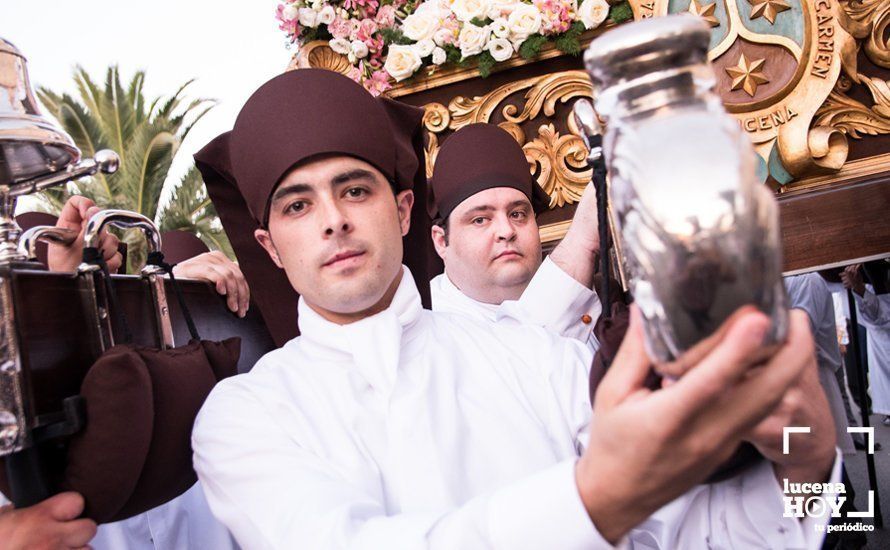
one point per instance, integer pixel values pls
(518, 215)
(297, 206)
(478, 221)
(356, 192)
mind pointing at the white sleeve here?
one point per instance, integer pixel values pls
(746, 511)
(273, 493)
(557, 302)
(874, 310)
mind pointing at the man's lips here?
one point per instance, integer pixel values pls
(508, 254)
(342, 256)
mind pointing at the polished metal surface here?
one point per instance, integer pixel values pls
(123, 219)
(697, 233)
(30, 144)
(14, 435)
(44, 233)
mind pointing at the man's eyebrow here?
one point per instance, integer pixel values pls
(517, 203)
(478, 210)
(352, 175)
(293, 189)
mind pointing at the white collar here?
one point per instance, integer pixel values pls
(446, 297)
(374, 344)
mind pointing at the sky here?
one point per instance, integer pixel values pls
(230, 47)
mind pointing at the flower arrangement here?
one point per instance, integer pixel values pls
(390, 40)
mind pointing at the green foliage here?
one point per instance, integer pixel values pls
(146, 135)
(569, 41)
(452, 55)
(394, 36)
(485, 63)
(621, 13)
(480, 21)
(532, 46)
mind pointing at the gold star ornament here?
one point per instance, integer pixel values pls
(768, 9)
(747, 75)
(705, 11)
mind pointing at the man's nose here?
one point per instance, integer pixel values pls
(334, 220)
(504, 230)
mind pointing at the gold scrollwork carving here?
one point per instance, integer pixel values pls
(563, 170)
(869, 20)
(561, 164)
(844, 113)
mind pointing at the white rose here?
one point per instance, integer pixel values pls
(500, 28)
(501, 8)
(420, 26)
(500, 49)
(434, 8)
(425, 47)
(327, 15)
(467, 10)
(439, 56)
(401, 62)
(593, 12)
(308, 17)
(290, 12)
(359, 48)
(340, 46)
(472, 39)
(524, 21)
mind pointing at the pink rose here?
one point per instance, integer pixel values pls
(339, 28)
(386, 17)
(366, 30)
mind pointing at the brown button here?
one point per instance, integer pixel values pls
(586, 319)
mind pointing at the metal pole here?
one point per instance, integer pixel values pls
(861, 375)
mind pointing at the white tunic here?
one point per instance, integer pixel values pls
(415, 429)
(552, 299)
(874, 314)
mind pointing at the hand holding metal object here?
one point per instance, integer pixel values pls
(697, 231)
(44, 233)
(152, 273)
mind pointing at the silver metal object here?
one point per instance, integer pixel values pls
(44, 233)
(153, 274)
(699, 235)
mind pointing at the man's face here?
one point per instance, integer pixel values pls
(493, 247)
(336, 230)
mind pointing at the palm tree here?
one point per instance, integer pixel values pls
(147, 137)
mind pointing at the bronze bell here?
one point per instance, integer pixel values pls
(30, 145)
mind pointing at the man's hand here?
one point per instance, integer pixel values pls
(75, 214)
(851, 276)
(48, 525)
(576, 254)
(649, 447)
(804, 404)
(223, 273)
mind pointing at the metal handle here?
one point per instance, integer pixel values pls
(125, 220)
(44, 233)
(105, 161)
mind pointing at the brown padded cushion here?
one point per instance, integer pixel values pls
(135, 452)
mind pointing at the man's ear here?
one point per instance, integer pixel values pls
(263, 237)
(404, 202)
(438, 234)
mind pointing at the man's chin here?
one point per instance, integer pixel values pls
(513, 274)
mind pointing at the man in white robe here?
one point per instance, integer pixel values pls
(484, 205)
(387, 426)
(874, 314)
